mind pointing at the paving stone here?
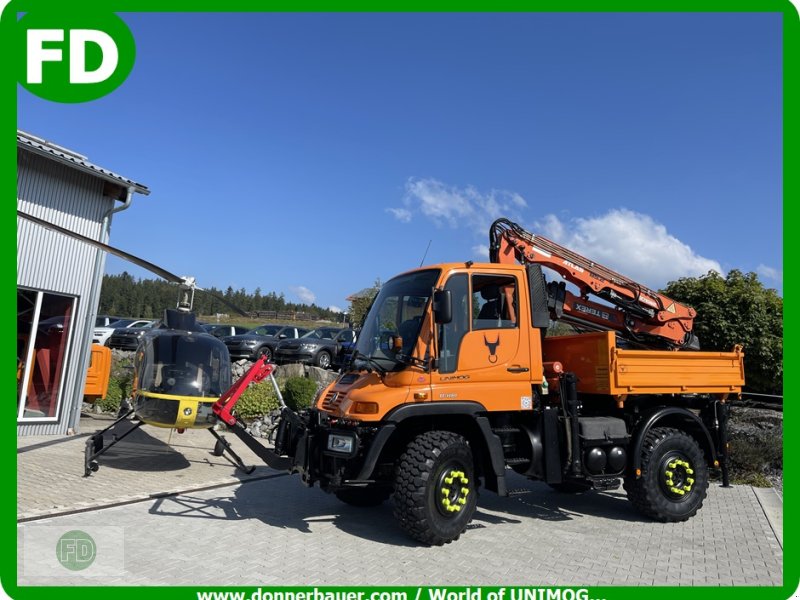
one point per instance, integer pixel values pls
(269, 529)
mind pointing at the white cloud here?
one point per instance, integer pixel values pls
(457, 207)
(770, 273)
(305, 295)
(334, 308)
(481, 251)
(631, 243)
(401, 214)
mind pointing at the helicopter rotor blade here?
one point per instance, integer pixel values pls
(171, 277)
(225, 302)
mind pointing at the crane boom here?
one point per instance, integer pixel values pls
(642, 314)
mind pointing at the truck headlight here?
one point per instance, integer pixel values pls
(341, 443)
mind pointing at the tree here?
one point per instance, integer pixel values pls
(361, 301)
(738, 309)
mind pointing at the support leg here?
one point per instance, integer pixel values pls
(723, 413)
(223, 446)
(95, 444)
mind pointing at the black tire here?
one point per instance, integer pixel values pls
(571, 487)
(674, 479)
(265, 352)
(368, 496)
(219, 449)
(435, 489)
(323, 360)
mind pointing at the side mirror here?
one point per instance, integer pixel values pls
(395, 343)
(282, 336)
(442, 306)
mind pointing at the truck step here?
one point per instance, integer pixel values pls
(517, 461)
(611, 483)
(505, 429)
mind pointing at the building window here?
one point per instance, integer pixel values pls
(44, 328)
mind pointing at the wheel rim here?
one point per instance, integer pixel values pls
(324, 360)
(452, 490)
(676, 477)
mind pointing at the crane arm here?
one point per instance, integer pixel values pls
(637, 310)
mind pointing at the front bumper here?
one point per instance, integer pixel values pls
(124, 344)
(241, 352)
(292, 356)
(309, 445)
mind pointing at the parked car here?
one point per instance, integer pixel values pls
(127, 338)
(102, 334)
(321, 347)
(219, 330)
(261, 341)
(347, 345)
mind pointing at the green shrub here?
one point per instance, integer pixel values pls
(257, 400)
(118, 388)
(299, 393)
(113, 397)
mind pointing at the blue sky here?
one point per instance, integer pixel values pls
(311, 154)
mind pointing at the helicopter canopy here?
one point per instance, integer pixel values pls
(183, 364)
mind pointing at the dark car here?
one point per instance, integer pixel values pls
(322, 347)
(219, 330)
(261, 341)
(127, 338)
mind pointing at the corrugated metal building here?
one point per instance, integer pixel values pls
(59, 278)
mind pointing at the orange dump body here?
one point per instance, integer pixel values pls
(98, 374)
(603, 368)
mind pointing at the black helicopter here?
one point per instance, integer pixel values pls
(180, 370)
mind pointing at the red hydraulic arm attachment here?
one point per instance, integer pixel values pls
(260, 370)
(640, 312)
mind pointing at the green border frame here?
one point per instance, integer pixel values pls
(791, 59)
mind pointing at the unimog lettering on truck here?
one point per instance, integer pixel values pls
(453, 382)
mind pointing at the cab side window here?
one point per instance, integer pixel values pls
(494, 302)
(451, 334)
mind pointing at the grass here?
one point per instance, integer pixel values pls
(251, 323)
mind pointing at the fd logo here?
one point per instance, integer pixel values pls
(73, 57)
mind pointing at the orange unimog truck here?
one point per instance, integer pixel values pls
(454, 382)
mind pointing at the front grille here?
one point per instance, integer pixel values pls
(333, 400)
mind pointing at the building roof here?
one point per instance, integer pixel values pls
(71, 158)
(369, 292)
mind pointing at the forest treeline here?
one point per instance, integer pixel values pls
(124, 295)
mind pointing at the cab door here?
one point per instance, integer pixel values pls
(483, 353)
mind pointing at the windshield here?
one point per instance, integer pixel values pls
(120, 323)
(396, 312)
(321, 334)
(183, 365)
(267, 330)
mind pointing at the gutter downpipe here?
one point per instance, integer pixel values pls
(94, 301)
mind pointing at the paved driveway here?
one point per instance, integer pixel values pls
(275, 531)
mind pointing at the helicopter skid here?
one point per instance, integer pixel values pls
(95, 444)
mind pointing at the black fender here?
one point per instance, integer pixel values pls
(394, 418)
(694, 426)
